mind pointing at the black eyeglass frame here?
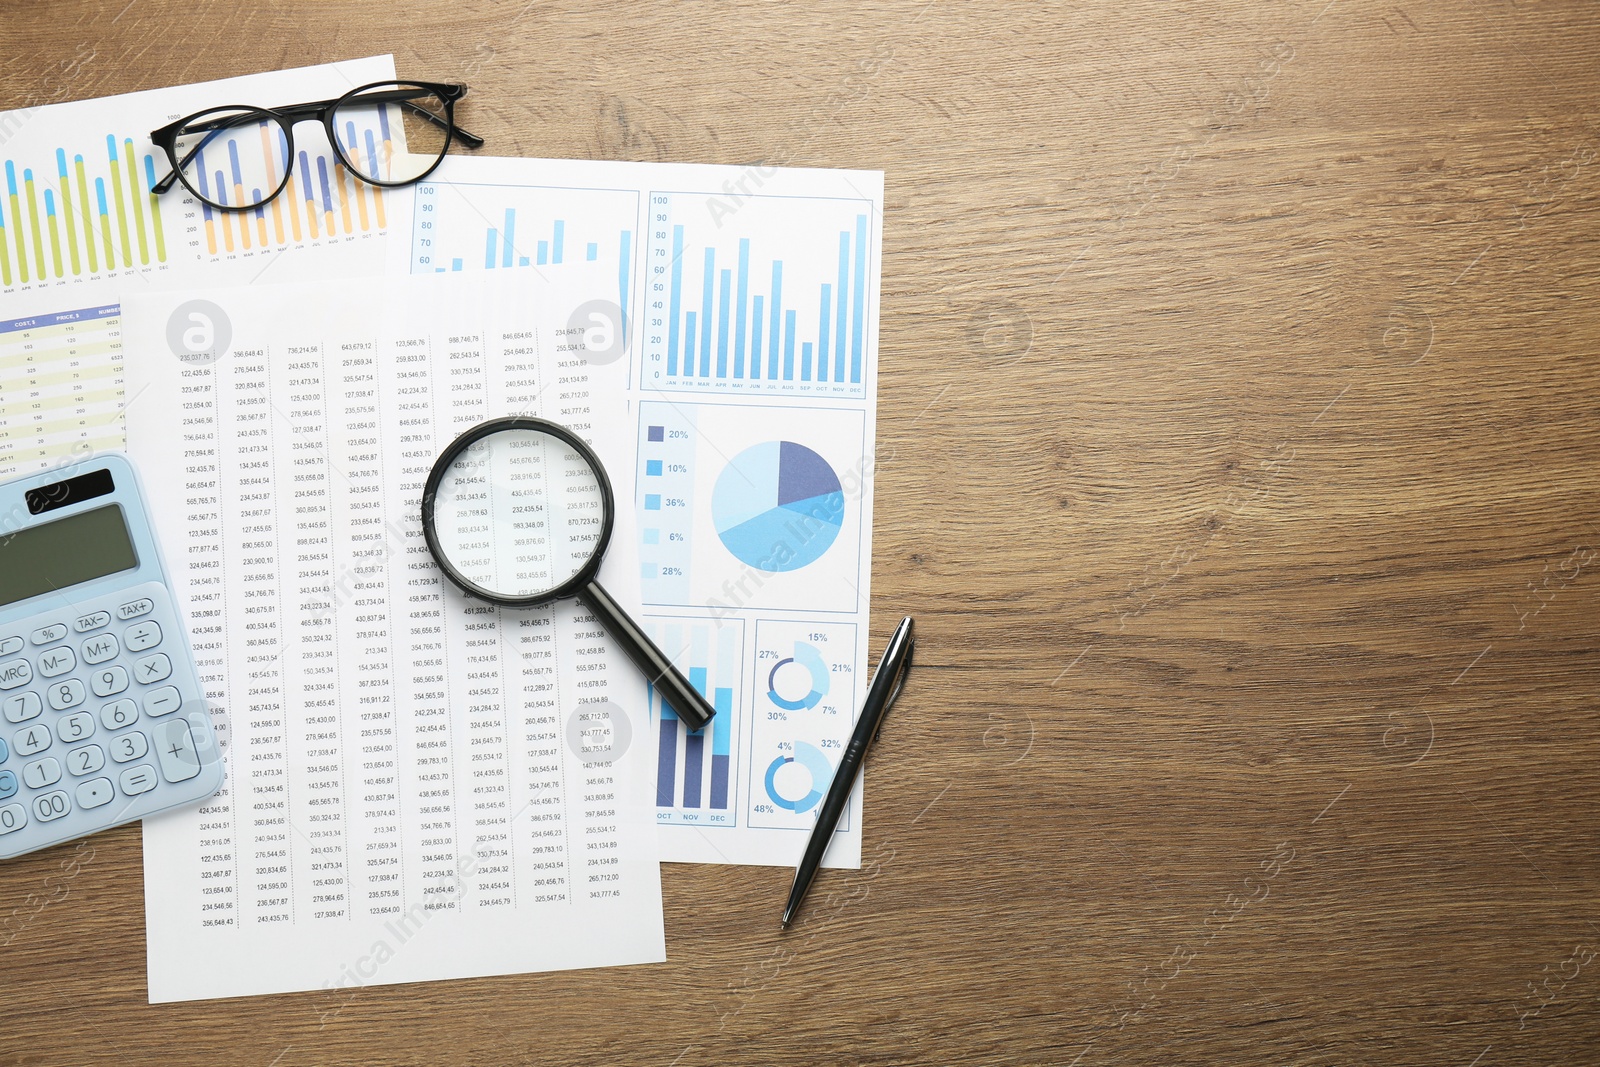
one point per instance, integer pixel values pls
(321, 111)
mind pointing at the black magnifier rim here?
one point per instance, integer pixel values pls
(572, 586)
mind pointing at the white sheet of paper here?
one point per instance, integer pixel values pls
(409, 795)
(80, 231)
(748, 301)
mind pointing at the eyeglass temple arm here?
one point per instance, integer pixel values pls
(471, 140)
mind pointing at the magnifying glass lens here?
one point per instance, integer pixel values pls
(519, 513)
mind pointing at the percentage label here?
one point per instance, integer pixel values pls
(675, 537)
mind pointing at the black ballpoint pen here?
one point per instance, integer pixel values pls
(886, 685)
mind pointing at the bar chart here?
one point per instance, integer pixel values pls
(78, 217)
(321, 201)
(769, 295)
(805, 694)
(694, 768)
(587, 234)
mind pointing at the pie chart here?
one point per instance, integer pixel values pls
(777, 506)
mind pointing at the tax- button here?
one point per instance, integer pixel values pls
(48, 635)
(135, 608)
(163, 701)
(57, 661)
(17, 672)
(95, 792)
(175, 749)
(140, 779)
(152, 668)
(143, 636)
(92, 621)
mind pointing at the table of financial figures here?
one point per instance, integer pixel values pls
(381, 751)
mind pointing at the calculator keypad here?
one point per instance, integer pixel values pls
(95, 721)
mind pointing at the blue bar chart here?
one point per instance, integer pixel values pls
(587, 234)
(731, 307)
(694, 768)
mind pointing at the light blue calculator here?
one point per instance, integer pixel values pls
(104, 720)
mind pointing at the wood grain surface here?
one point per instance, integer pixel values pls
(1239, 417)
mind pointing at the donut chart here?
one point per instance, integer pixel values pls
(812, 759)
(808, 657)
(777, 506)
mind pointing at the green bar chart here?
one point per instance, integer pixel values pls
(78, 217)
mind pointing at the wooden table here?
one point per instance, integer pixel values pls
(1239, 427)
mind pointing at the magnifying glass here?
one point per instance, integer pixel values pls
(518, 512)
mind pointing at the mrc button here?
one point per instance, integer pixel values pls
(134, 608)
(17, 672)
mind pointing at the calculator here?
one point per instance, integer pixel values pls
(104, 720)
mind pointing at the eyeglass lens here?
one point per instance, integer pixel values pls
(236, 156)
(240, 157)
(364, 124)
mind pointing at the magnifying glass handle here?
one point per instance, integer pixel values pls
(686, 701)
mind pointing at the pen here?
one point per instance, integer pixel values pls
(886, 685)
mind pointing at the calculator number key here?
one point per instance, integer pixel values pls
(57, 661)
(86, 760)
(143, 636)
(109, 682)
(125, 747)
(101, 649)
(12, 817)
(49, 807)
(22, 707)
(154, 668)
(67, 694)
(119, 713)
(75, 727)
(33, 739)
(18, 672)
(95, 792)
(41, 772)
(140, 779)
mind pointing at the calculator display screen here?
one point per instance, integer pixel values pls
(67, 552)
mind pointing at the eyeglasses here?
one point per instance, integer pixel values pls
(236, 158)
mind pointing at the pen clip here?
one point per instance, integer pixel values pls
(899, 684)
